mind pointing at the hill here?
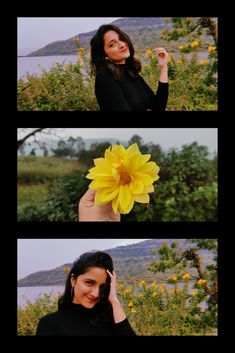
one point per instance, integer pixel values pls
(129, 261)
(144, 32)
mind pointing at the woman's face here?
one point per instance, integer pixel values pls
(115, 49)
(87, 287)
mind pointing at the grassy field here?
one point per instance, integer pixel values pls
(36, 174)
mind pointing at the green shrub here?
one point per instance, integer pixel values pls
(29, 316)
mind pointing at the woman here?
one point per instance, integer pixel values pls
(118, 85)
(89, 305)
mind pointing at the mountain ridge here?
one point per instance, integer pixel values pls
(131, 260)
(129, 24)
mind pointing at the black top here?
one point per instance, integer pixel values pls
(128, 94)
(75, 321)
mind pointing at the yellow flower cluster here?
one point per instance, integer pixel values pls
(201, 282)
(194, 44)
(149, 52)
(182, 59)
(211, 48)
(154, 285)
(143, 283)
(186, 276)
(203, 62)
(181, 47)
(75, 40)
(194, 293)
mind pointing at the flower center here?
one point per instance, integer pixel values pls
(124, 178)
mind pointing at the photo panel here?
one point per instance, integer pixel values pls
(122, 175)
(117, 64)
(159, 287)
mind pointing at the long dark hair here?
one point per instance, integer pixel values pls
(98, 56)
(102, 310)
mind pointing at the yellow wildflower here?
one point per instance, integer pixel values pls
(75, 40)
(81, 51)
(122, 177)
(180, 47)
(186, 276)
(130, 304)
(194, 44)
(154, 284)
(194, 293)
(149, 52)
(203, 62)
(142, 283)
(211, 48)
(154, 294)
(133, 310)
(170, 58)
(162, 288)
(174, 278)
(201, 282)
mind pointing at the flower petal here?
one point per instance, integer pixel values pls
(124, 197)
(108, 194)
(136, 187)
(146, 179)
(142, 198)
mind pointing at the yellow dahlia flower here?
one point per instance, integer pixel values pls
(122, 177)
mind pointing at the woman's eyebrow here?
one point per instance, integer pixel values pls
(112, 40)
(90, 279)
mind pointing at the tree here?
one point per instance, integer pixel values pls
(175, 259)
(28, 135)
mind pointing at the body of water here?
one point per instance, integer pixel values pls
(34, 65)
(32, 293)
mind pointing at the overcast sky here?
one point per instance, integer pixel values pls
(36, 32)
(165, 137)
(45, 254)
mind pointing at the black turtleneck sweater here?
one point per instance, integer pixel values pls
(75, 321)
(128, 94)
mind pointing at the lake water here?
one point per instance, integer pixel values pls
(32, 293)
(34, 65)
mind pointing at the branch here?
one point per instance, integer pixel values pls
(20, 142)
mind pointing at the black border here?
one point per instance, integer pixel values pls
(169, 119)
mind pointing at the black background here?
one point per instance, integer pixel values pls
(15, 119)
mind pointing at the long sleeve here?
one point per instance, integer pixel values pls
(46, 328)
(109, 93)
(123, 328)
(158, 101)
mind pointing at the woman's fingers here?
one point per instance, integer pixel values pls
(160, 51)
(111, 275)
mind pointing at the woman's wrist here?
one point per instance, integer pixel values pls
(114, 301)
(163, 74)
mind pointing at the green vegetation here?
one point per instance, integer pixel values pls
(193, 82)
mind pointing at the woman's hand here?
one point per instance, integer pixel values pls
(88, 211)
(112, 298)
(162, 56)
